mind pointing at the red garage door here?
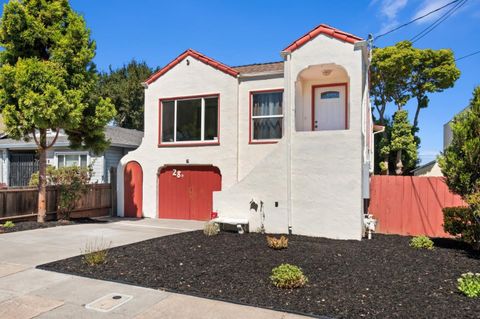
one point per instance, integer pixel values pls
(186, 192)
(133, 190)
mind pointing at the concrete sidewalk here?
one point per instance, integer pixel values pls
(26, 292)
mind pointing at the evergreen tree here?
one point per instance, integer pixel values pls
(46, 80)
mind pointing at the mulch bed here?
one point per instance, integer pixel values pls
(378, 278)
(30, 225)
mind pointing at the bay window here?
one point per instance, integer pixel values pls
(266, 116)
(189, 120)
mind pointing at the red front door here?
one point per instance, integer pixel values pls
(186, 192)
(133, 190)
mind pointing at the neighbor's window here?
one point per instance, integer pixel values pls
(190, 120)
(64, 160)
(267, 116)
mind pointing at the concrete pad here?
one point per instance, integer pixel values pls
(27, 306)
(5, 295)
(29, 280)
(9, 268)
(180, 307)
(80, 291)
(109, 302)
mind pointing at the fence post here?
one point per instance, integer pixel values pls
(113, 191)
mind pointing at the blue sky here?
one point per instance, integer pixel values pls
(248, 31)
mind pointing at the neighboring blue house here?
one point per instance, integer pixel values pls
(18, 159)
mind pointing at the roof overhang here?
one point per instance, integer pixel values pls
(196, 55)
(321, 29)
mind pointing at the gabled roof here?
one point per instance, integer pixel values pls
(196, 55)
(322, 29)
(118, 136)
(259, 67)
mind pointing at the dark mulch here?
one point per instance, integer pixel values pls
(30, 225)
(378, 278)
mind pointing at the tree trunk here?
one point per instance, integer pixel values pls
(415, 119)
(42, 178)
(399, 164)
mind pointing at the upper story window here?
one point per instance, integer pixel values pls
(76, 159)
(266, 116)
(189, 120)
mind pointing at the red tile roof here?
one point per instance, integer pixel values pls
(322, 29)
(194, 54)
(259, 67)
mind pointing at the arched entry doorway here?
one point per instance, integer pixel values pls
(133, 190)
(186, 192)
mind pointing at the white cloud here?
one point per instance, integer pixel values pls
(389, 10)
(430, 5)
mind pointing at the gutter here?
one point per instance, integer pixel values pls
(260, 74)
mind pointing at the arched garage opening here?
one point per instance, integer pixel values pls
(133, 190)
(186, 192)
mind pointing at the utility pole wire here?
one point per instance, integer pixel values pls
(416, 19)
(468, 55)
(437, 22)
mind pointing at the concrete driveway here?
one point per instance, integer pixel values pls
(26, 292)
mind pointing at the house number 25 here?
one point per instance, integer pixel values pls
(177, 173)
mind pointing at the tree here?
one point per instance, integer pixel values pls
(46, 80)
(124, 87)
(460, 164)
(402, 72)
(431, 71)
(389, 72)
(402, 143)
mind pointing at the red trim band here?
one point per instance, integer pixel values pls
(322, 29)
(194, 54)
(193, 143)
(330, 85)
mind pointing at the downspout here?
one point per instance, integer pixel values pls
(238, 129)
(288, 134)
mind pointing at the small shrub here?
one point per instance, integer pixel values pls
(288, 276)
(469, 284)
(277, 243)
(211, 229)
(462, 223)
(96, 252)
(422, 242)
(8, 224)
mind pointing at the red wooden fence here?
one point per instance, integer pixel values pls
(410, 205)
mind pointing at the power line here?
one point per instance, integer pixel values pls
(437, 22)
(416, 19)
(468, 55)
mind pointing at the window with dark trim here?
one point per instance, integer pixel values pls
(190, 120)
(266, 116)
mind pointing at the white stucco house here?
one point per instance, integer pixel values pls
(286, 146)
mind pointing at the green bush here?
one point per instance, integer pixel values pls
(288, 276)
(469, 284)
(211, 229)
(71, 181)
(8, 224)
(422, 242)
(462, 223)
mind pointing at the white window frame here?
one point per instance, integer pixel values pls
(202, 140)
(252, 118)
(78, 153)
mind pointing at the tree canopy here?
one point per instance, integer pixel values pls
(400, 73)
(47, 78)
(124, 87)
(460, 162)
